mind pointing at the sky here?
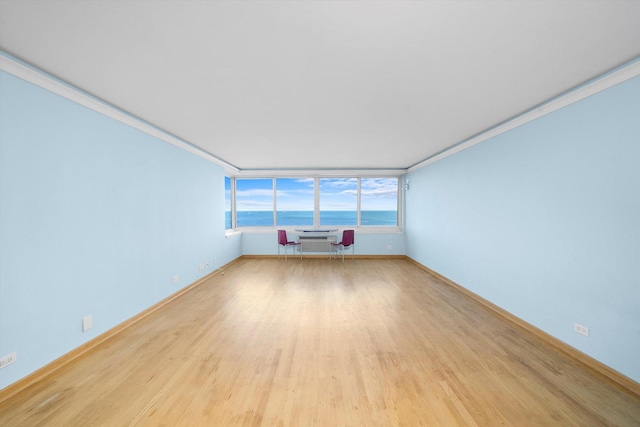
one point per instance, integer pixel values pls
(296, 194)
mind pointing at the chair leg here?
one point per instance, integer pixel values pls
(337, 250)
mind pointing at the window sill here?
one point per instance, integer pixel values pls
(292, 230)
(232, 233)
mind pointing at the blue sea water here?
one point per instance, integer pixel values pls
(305, 218)
(389, 218)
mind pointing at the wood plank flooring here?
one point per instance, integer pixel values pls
(323, 343)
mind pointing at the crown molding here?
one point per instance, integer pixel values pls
(296, 173)
(591, 87)
(48, 82)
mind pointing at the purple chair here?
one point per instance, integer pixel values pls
(348, 240)
(284, 242)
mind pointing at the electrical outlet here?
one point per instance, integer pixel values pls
(87, 323)
(582, 330)
(8, 360)
(215, 260)
(175, 279)
(201, 266)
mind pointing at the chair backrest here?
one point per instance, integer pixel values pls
(282, 237)
(348, 237)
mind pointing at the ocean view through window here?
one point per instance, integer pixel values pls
(316, 202)
(378, 201)
(338, 201)
(254, 202)
(294, 201)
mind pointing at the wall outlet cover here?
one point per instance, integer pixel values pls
(8, 360)
(582, 330)
(87, 323)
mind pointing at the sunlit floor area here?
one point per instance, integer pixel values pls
(319, 342)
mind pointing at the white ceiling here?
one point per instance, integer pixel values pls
(323, 84)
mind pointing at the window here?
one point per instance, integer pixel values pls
(338, 201)
(313, 202)
(379, 201)
(254, 202)
(227, 203)
(294, 201)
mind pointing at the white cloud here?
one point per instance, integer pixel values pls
(255, 192)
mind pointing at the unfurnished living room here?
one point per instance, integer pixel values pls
(319, 213)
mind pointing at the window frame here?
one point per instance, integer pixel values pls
(316, 210)
(232, 204)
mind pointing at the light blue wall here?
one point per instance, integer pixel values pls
(544, 221)
(366, 243)
(95, 218)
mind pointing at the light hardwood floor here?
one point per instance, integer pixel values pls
(323, 343)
